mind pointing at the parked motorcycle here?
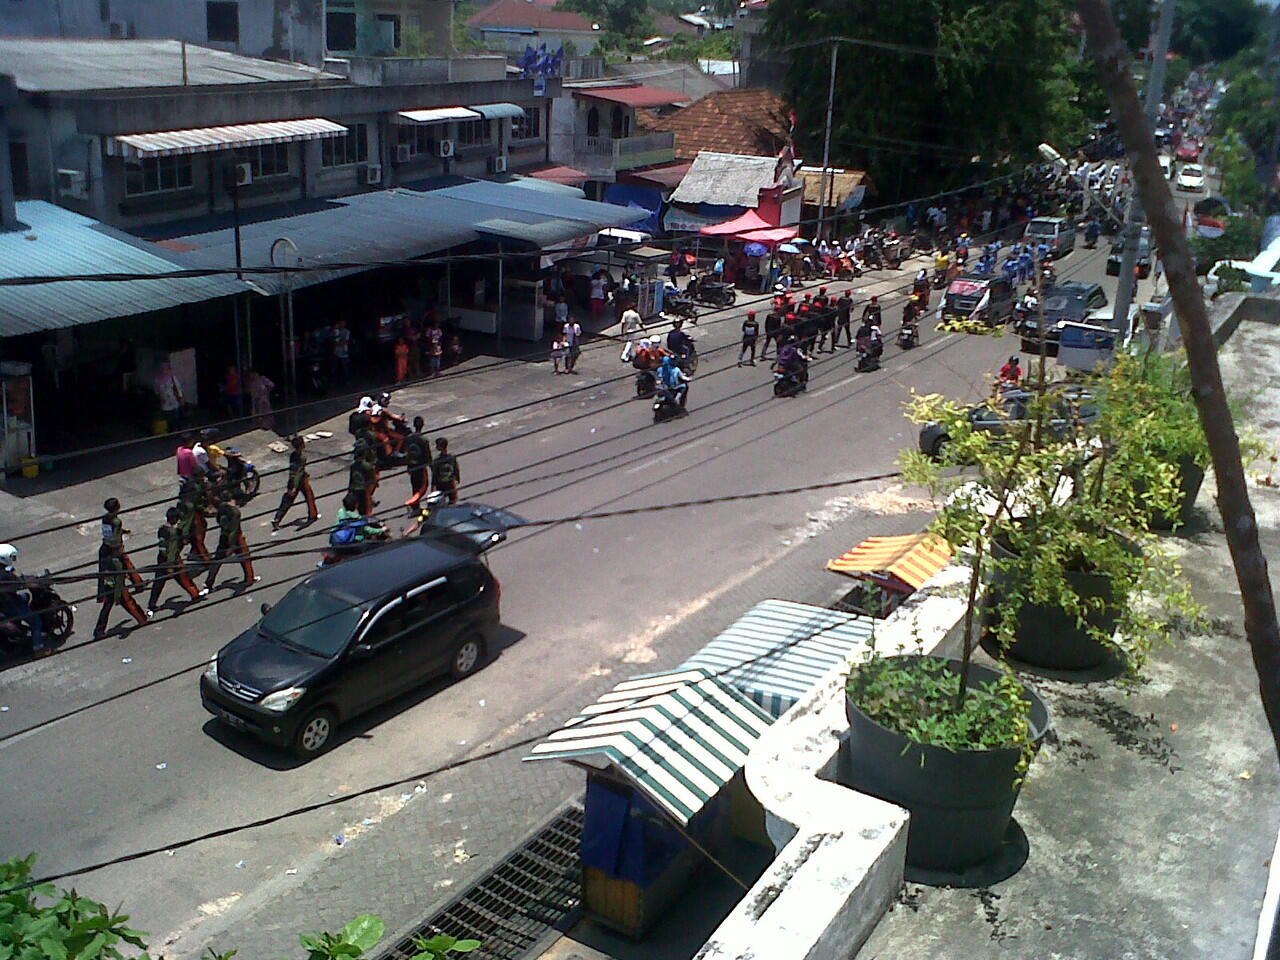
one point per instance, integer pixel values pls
(894, 253)
(56, 616)
(717, 293)
(678, 305)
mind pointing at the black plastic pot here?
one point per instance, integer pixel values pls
(1050, 637)
(961, 801)
(1190, 477)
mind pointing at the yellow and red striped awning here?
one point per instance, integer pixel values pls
(913, 559)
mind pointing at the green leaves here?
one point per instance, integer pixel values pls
(357, 938)
(441, 946)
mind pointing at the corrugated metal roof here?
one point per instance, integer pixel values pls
(634, 96)
(726, 179)
(678, 736)
(776, 652)
(46, 65)
(167, 143)
(498, 111)
(400, 225)
(60, 242)
(438, 115)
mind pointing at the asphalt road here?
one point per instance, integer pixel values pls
(151, 767)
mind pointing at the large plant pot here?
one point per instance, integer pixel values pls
(1190, 478)
(961, 802)
(1048, 636)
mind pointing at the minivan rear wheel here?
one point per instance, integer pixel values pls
(315, 733)
(466, 657)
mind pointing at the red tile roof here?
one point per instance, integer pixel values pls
(635, 96)
(529, 16)
(566, 175)
(666, 175)
(748, 121)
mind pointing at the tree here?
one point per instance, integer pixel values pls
(626, 18)
(974, 92)
(1241, 240)
(1246, 107)
(1238, 168)
(1207, 30)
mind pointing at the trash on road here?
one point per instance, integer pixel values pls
(241, 864)
(339, 839)
(162, 766)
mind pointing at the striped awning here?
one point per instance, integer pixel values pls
(498, 111)
(776, 652)
(438, 115)
(913, 559)
(167, 143)
(679, 737)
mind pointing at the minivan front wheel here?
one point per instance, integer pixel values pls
(314, 733)
(466, 657)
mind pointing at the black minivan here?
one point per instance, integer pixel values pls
(352, 636)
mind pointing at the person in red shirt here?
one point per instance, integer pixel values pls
(1011, 373)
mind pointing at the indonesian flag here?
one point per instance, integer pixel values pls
(982, 304)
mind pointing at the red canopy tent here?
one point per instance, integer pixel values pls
(731, 228)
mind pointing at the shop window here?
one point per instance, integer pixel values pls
(352, 148)
(472, 132)
(527, 127)
(222, 19)
(157, 175)
(268, 160)
(340, 30)
(420, 138)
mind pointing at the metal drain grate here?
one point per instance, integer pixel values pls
(515, 904)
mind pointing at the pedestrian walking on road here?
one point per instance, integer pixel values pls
(362, 479)
(191, 517)
(417, 459)
(445, 475)
(169, 565)
(559, 354)
(844, 310)
(186, 457)
(111, 590)
(231, 542)
(772, 326)
(299, 481)
(750, 334)
(113, 533)
(573, 341)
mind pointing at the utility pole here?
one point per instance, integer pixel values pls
(1134, 217)
(826, 142)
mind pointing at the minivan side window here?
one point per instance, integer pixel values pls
(465, 583)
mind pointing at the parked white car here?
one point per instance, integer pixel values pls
(1191, 178)
(1166, 166)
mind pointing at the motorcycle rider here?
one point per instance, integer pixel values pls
(14, 605)
(870, 340)
(871, 312)
(674, 381)
(1092, 230)
(679, 343)
(793, 362)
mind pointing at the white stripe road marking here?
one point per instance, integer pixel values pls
(848, 380)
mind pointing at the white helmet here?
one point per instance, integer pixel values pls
(8, 555)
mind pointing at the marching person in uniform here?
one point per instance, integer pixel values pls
(113, 532)
(111, 590)
(299, 481)
(417, 459)
(231, 542)
(169, 564)
(444, 471)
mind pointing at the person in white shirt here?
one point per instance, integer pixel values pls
(597, 295)
(631, 322)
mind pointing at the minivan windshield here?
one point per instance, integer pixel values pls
(312, 620)
(1041, 228)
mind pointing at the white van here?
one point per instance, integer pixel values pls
(1058, 233)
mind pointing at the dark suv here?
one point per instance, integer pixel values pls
(353, 636)
(1063, 302)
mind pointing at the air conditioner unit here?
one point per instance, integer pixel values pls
(244, 174)
(73, 183)
(373, 173)
(498, 164)
(403, 153)
(445, 148)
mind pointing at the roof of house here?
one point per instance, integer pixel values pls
(749, 121)
(727, 179)
(60, 242)
(519, 14)
(671, 74)
(842, 183)
(49, 65)
(634, 95)
(670, 26)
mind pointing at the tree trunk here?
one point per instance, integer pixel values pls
(1238, 521)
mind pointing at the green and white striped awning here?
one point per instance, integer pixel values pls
(778, 650)
(678, 736)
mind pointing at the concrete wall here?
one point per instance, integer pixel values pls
(274, 29)
(840, 853)
(579, 42)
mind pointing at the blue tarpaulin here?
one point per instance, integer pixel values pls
(637, 198)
